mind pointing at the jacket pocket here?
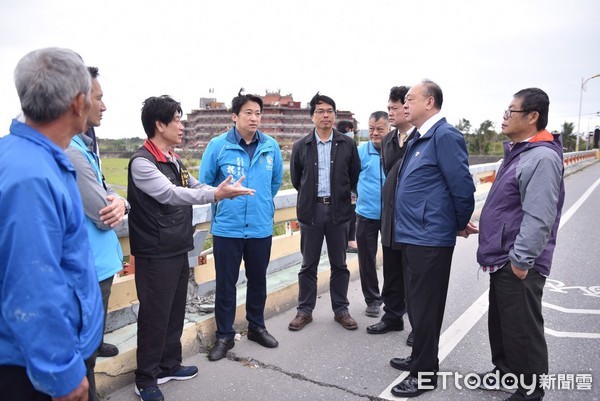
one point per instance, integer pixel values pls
(80, 316)
(502, 238)
(171, 218)
(420, 215)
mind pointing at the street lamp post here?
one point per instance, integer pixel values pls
(587, 134)
(583, 82)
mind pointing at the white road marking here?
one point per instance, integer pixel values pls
(450, 338)
(569, 334)
(566, 216)
(567, 310)
(387, 393)
(459, 329)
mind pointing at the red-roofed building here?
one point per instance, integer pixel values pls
(283, 118)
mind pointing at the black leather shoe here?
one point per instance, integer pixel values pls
(382, 327)
(107, 350)
(410, 387)
(401, 363)
(220, 349)
(410, 339)
(262, 336)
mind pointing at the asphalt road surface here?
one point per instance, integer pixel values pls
(326, 362)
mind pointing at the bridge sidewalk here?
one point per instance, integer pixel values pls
(199, 330)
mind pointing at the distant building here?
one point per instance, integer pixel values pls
(283, 118)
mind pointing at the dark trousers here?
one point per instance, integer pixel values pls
(162, 291)
(426, 276)
(392, 293)
(105, 287)
(228, 253)
(311, 241)
(16, 386)
(516, 325)
(352, 225)
(367, 237)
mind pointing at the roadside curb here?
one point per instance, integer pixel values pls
(199, 330)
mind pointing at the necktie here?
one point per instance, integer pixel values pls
(402, 138)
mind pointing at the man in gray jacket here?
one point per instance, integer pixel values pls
(104, 208)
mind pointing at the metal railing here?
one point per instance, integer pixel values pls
(287, 245)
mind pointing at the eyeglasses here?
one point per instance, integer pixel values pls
(508, 113)
(322, 111)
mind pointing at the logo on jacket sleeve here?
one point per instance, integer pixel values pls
(269, 159)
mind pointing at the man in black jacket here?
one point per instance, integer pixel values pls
(324, 168)
(393, 146)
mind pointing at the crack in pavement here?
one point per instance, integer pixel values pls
(253, 363)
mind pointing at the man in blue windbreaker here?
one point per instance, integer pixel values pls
(242, 228)
(51, 309)
(434, 202)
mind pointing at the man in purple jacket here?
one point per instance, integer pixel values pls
(517, 236)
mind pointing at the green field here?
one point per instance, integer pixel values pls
(115, 172)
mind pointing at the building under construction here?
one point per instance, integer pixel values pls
(283, 118)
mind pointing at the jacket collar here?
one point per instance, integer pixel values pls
(372, 149)
(230, 136)
(82, 140)
(431, 130)
(542, 138)
(25, 131)
(157, 153)
(337, 136)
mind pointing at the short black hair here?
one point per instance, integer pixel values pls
(398, 93)
(344, 125)
(93, 72)
(435, 92)
(378, 115)
(318, 99)
(240, 100)
(158, 108)
(535, 99)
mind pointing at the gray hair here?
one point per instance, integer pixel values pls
(378, 115)
(47, 81)
(435, 92)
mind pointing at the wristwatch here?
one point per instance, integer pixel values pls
(127, 206)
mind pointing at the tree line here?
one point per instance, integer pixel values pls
(483, 140)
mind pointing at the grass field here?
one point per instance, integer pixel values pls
(115, 172)
(115, 169)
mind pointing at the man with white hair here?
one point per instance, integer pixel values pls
(51, 319)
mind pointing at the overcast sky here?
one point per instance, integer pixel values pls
(479, 52)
